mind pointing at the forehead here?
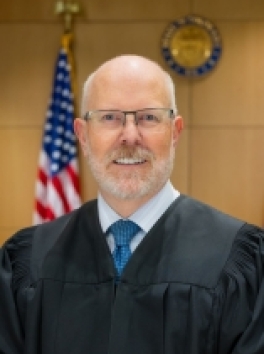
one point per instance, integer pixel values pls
(128, 87)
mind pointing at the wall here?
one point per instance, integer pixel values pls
(220, 156)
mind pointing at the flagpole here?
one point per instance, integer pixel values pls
(67, 9)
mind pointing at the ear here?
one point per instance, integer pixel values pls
(178, 127)
(80, 127)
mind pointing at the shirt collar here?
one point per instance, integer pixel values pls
(146, 216)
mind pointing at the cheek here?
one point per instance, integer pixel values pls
(99, 144)
(160, 144)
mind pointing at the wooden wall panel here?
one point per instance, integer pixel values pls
(136, 10)
(19, 150)
(27, 10)
(227, 170)
(232, 9)
(115, 10)
(32, 10)
(180, 174)
(233, 93)
(26, 72)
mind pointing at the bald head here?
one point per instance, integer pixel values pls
(128, 75)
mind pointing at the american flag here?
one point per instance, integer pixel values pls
(57, 185)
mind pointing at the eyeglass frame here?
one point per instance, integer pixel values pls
(87, 115)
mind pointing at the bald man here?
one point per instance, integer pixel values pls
(142, 269)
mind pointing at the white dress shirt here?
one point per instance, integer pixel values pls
(146, 216)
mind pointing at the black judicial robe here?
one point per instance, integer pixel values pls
(193, 286)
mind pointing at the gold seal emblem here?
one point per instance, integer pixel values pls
(191, 46)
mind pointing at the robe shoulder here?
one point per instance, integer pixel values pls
(28, 248)
(192, 243)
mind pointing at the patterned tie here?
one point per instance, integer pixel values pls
(123, 232)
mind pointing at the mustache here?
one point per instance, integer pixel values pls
(132, 152)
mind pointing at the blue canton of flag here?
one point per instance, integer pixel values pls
(59, 138)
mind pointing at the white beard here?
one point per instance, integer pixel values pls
(127, 184)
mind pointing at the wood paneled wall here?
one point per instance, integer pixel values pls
(220, 158)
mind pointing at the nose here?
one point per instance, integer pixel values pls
(130, 133)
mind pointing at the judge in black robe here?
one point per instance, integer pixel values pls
(195, 283)
(189, 288)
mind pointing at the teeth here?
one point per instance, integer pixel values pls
(129, 161)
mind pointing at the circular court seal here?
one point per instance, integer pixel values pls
(191, 46)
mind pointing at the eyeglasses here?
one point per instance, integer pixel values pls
(146, 118)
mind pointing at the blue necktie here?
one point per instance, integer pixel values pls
(123, 232)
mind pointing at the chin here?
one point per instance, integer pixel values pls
(129, 189)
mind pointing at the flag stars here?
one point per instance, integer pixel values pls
(60, 129)
(73, 150)
(60, 77)
(63, 105)
(48, 127)
(66, 146)
(47, 139)
(54, 167)
(70, 108)
(49, 113)
(65, 93)
(62, 63)
(69, 135)
(64, 158)
(58, 142)
(56, 154)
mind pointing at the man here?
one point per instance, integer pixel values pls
(189, 280)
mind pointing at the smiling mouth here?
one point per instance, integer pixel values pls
(129, 161)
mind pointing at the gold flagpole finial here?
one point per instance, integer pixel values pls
(67, 9)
